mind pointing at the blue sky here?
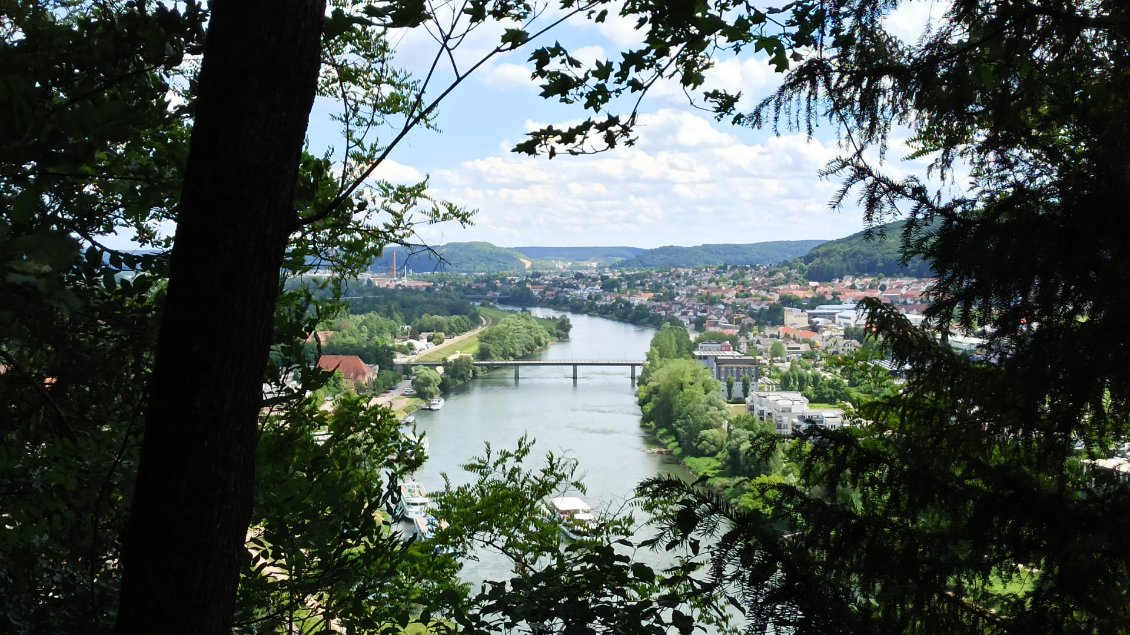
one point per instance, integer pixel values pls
(688, 180)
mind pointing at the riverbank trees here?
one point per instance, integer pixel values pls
(519, 334)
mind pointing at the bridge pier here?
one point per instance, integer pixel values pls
(633, 375)
(516, 372)
(574, 373)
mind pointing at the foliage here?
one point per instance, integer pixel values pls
(588, 586)
(77, 321)
(821, 386)
(425, 381)
(682, 397)
(777, 350)
(322, 529)
(577, 256)
(459, 370)
(98, 103)
(407, 306)
(874, 251)
(465, 257)
(966, 477)
(715, 336)
(441, 324)
(369, 336)
(620, 309)
(515, 336)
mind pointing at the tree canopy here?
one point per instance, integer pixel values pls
(959, 504)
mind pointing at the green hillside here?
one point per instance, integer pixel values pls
(766, 253)
(470, 257)
(553, 257)
(860, 255)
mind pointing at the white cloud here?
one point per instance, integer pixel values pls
(686, 182)
(507, 75)
(911, 19)
(394, 172)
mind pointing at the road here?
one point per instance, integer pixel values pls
(393, 398)
(408, 359)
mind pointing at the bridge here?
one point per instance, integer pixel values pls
(575, 363)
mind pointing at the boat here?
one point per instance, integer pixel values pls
(414, 501)
(436, 404)
(575, 517)
(425, 527)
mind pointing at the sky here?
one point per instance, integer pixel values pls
(687, 181)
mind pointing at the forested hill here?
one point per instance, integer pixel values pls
(470, 257)
(859, 255)
(565, 256)
(766, 253)
(824, 259)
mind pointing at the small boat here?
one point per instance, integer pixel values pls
(414, 501)
(425, 527)
(436, 404)
(575, 517)
(409, 420)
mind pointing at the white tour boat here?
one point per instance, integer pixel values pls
(414, 501)
(575, 517)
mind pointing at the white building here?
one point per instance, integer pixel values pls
(789, 412)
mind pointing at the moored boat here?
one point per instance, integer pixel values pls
(575, 517)
(414, 501)
(436, 404)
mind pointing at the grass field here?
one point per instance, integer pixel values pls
(470, 345)
(467, 346)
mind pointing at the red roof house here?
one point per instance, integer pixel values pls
(355, 371)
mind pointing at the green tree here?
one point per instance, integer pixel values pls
(425, 381)
(460, 369)
(745, 386)
(91, 146)
(587, 586)
(777, 350)
(681, 398)
(959, 506)
(730, 387)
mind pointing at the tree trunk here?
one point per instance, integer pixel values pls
(183, 549)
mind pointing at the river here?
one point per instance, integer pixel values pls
(595, 420)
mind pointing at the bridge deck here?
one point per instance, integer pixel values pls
(545, 362)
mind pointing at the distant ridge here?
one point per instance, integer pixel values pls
(469, 257)
(766, 253)
(822, 259)
(857, 256)
(605, 255)
(484, 257)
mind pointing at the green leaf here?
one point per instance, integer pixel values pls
(514, 38)
(25, 205)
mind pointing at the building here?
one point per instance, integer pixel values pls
(796, 318)
(779, 408)
(356, 372)
(736, 367)
(789, 412)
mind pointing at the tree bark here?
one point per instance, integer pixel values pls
(183, 549)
